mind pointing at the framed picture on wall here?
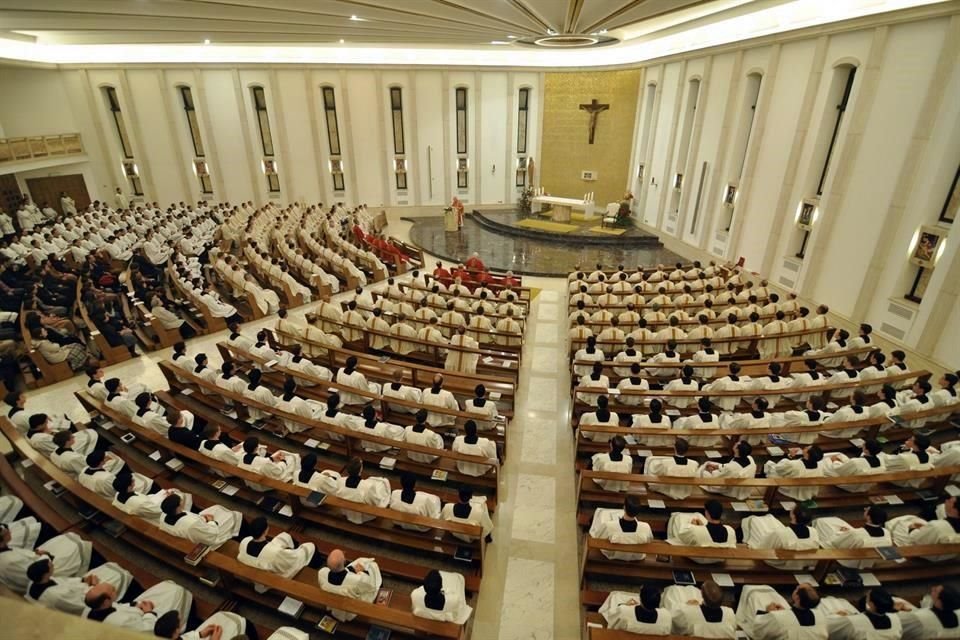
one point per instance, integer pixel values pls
(270, 167)
(640, 171)
(336, 165)
(678, 181)
(200, 166)
(461, 164)
(130, 169)
(729, 195)
(808, 209)
(929, 240)
(399, 165)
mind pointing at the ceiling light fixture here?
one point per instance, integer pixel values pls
(499, 42)
(511, 37)
(342, 40)
(206, 41)
(357, 19)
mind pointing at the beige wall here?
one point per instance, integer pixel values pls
(565, 150)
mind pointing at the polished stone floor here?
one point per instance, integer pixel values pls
(525, 255)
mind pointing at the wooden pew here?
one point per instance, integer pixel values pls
(691, 345)
(416, 375)
(275, 375)
(231, 570)
(744, 394)
(383, 529)
(111, 355)
(50, 372)
(588, 491)
(211, 323)
(747, 566)
(446, 459)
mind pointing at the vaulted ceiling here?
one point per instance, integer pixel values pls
(386, 22)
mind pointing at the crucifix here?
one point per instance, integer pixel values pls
(594, 109)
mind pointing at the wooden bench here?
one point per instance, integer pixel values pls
(110, 354)
(349, 439)
(691, 345)
(231, 570)
(589, 491)
(50, 372)
(211, 323)
(416, 375)
(383, 529)
(275, 374)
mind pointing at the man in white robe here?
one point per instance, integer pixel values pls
(278, 554)
(473, 445)
(359, 580)
(146, 506)
(96, 478)
(400, 391)
(799, 463)
(909, 530)
(766, 615)
(677, 466)
(637, 612)
(222, 625)
(835, 533)
(766, 532)
(621, 526)
(613, 461)
(349, 376)
(740, 465)
(373, 491)
(212, 527)
(420, 435)
(699, 612)
(701, 530)
(469, 510)
(70, 553)
(938, 615)
(877, 621)
(463, 356)
(437, 396)
(408, 500)
(67, 593)
(869, 462)
(142, 614)
(442, 597)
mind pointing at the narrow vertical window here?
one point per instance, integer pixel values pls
(269, 164)
(130, 169)
(523, 106)
(747, 116)
(333, 137)
(841, 109)
(462, 162)
(396, 116)
(193, 127)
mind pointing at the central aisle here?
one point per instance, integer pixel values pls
(530, 586)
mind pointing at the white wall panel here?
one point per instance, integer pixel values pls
(495, 106)
(227, 117)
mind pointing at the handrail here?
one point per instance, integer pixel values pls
(45, 146)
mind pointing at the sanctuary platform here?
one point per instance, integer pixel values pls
(535, 245)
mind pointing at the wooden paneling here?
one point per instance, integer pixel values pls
(49, 189)
(9, 193)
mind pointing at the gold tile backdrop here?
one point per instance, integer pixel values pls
(565, 148)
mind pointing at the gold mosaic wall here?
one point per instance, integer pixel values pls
(565, 149)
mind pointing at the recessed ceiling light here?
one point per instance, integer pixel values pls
(357, 19)
(206, 41)
(499, 42)
(342, 41)
(511, 37)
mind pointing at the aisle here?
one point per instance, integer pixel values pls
(530, 587)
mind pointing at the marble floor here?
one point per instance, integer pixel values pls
(530, 588)
(525, 255)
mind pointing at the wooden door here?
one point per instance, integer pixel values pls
(48, 190)
(9, 193)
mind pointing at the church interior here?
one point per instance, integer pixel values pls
(479, 319)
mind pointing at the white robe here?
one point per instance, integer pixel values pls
(442, 399)
(681, 531)
(231, 625)
(921, 623)
(280, 555)
(775, 625)
(147, 506)
(424, 504)
(619, 614)
(606, 526)
(602, 462)
(370, 491)
(225, 525)
(479, 515)
(669, 466)
(68, 593)
(71, 557)
(165, 596)
(405, 393)
(358, 381)
(794, 468)
(831, 537)
(732, 470)
(455, 608)
(689, 620)
(854, 625)
(932, 532)
(767, 532)
(483, 447)
(362, 585)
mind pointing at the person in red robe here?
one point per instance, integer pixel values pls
(441, 274)
(475, 263)
(509, 281)
(359, 234)
(458, 208)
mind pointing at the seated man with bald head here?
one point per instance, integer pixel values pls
(359, 579)
(699, 612)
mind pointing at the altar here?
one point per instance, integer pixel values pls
(563, 207)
